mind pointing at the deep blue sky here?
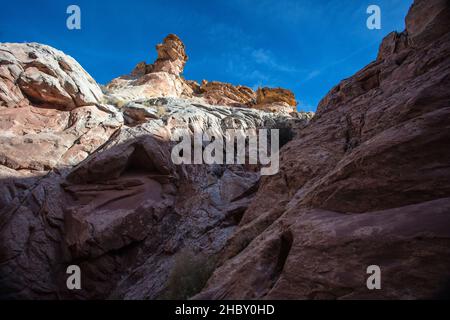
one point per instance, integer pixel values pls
(306, 46)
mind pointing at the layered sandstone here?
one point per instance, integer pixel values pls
(48, 109)
(162, 79)
(275, 95)
(365, 183)
(219, 93)
(87, 178)
(171, 56)
(34, 74)
(275, 99)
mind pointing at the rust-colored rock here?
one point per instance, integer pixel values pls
(220, 93)
(171, 56)
(427, 22)
(366, 183)
(392, 43)
(275, 95)
(35, 74)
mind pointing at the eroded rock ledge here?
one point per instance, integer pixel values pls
(365, 183)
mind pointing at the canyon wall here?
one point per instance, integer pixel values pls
(86, 178)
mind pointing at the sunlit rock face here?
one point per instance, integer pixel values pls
(220, 93)
(160, 79)
(171, 56)
(48, 109)
(86, 178)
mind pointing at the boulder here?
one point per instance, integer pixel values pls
(39, 75)
(275, 95)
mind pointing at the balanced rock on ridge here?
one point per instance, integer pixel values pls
(171, 56)
(162, 79)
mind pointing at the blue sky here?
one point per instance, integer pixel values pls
(306, 46)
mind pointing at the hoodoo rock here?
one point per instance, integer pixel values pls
(160, 79)
(275, 99)
(50, 114)
(171, 56)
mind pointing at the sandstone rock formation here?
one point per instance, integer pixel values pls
(90, 182)
(86, 178)
(274, 95)
(365, 183)
(171, 56)
(125, 206)
(275, 99)
(38, 74)
(48, 112)
(219, 93)
(162, 79)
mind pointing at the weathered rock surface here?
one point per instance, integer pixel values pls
(275, 100)
(220, 93)
(171, 56)
(365, 183)
(87, 179)
(37, 74)
(126, 212)
(271, 95)
(49, 114)
(150, 85)
(162, 79)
